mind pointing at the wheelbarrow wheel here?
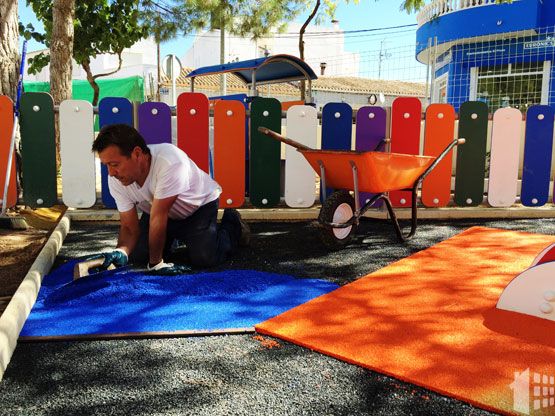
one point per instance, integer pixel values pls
(338, 208)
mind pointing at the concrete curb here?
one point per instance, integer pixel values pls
(17, 311)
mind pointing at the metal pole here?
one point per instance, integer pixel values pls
(433, 70)
(223, 79)
(174, 89)
(253, 92)
(380, 57)
(355, 186)
(428, 98)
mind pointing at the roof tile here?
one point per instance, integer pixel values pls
(352, 85)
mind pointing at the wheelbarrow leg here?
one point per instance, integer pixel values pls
(402, 237)
(359, 212)
(323, 180)
(355, 186)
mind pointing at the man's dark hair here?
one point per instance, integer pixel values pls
(125, 137)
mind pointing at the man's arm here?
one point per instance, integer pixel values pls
(158, 226)
(128, 231)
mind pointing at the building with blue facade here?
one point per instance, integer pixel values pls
(502, 54)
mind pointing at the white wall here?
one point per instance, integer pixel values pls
(139, 60)
(205, 50)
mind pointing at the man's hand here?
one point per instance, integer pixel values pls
(117, 257)
(168, 269)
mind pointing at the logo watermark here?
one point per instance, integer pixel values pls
(532, 391)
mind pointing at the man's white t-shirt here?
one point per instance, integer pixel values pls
(171, 173)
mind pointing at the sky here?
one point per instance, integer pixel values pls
(395, 46)
(368, 14)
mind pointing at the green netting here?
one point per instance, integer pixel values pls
(131, 88)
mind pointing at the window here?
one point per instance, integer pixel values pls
(519, 85)
(440, 89)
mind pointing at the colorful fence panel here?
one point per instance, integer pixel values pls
(538, 146)
(406, 114)
(112, 110)
(265, 163)
(155, 122)
(504, 157)
(337, 129)
(370, 135)
(229, 117)
(6, 128)
(38, 150)
(229, 152)
(439, 132)
(192, 127)
(77, 159)
(471, 157)
(302, 125)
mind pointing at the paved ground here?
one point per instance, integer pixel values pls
(232, 375)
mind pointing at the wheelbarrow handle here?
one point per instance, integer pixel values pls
(270, 133)
(450, 146)
(400, 234)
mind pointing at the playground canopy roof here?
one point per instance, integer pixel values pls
(268, 70)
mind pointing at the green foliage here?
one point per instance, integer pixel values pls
(101, 26)
(38, 61)
(254, 18)
(411, 6)
(161, 21)
(28, 32)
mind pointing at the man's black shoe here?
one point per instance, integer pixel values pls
(232, 216)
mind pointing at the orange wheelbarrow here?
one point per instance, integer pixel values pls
(369, 171)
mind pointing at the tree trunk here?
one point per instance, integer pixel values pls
(61, 50)
(92, 80)
(9, 67)
(9, 54)
(301, 43)
(61, 53)
(86, 64)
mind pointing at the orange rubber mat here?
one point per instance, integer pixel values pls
(430, 319)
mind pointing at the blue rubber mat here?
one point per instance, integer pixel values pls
(120, 302)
